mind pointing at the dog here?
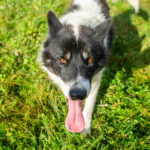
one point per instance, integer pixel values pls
(75, 54)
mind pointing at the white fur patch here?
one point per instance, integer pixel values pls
(106, 41)
(76, 32)
(89, 14)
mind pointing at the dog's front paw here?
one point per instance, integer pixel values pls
(86, 131)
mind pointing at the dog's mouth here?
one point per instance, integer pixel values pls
(74, 121)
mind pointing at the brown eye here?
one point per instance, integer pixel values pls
(90, 60)
(62, 60)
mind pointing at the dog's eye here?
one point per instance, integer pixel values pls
(63, 61)
(90, 60)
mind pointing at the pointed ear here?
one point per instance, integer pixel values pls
(53, 23)
(103, 29)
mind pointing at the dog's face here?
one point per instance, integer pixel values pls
(72, 55)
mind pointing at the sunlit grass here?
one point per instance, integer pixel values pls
(33, 110)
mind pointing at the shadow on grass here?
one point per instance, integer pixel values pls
(126, 51)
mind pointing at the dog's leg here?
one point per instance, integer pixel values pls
(134, 3)
(88, 109)
(90, 102)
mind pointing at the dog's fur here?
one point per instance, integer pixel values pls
(83, 32)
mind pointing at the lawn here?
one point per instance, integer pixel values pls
(33, 110)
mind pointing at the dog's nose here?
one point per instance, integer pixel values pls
(78, 93)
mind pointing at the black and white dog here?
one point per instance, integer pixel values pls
(75, 54)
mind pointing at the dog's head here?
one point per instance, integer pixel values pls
(73, 54)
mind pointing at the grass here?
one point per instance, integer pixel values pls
(32, 110)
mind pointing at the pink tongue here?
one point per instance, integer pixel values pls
(74, 121)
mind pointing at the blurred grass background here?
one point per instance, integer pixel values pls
(32, 110)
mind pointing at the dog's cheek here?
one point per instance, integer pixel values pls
(52, 65)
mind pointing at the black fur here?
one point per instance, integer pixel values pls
(53, 23)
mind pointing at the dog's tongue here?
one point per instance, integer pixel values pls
(74, 121)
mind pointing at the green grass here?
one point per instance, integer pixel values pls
(32, 110)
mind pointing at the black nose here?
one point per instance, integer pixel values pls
(78, 93)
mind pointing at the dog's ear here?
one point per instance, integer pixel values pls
(102, 30)
(53, 23)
